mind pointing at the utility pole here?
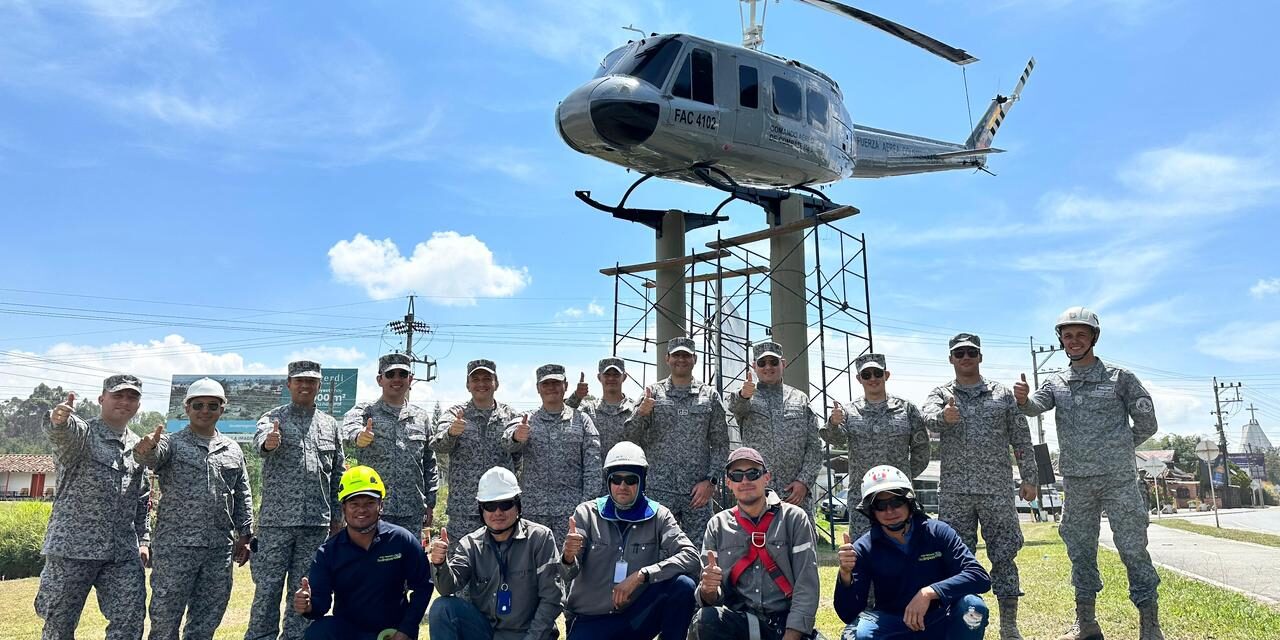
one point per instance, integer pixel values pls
(407, 327)
(1035, 375)
(1222, 434)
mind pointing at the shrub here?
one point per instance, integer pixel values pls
(22, 526)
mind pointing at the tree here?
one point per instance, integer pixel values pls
(1184, 449)
(1272, 458)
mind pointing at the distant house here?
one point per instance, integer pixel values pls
(26, 476)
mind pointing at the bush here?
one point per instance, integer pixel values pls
(22, 526)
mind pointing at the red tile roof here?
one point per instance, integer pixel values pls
(26, 463)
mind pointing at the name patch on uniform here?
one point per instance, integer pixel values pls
(389, 558)
(930, 556)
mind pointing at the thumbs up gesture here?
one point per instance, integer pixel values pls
(1021, 390)
(572, 543)
(712, 576)
(148, 442)
(438, 548)
(848, 558)
(951, 414)
(302, 597)
(365, 438)
(522, 430)
(646, 405)
(583, 388)
(748, 387)
(273, 439)
(458, 425)
(63, 410)
(837, 416)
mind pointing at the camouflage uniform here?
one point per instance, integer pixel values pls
(610, 419)
(974, 486)
(300, 481)
(559, 466)
(1094, 406)
(400, 454)
(477, 450)
(777, 421)
(685, 438)
(100, 518)
(892, 432)
(204, 505)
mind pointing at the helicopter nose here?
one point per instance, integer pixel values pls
(612, 112)
(624, 123)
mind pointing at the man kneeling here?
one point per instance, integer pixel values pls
(771, 590)
(926, 579)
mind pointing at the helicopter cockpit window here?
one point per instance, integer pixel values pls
(817, 104)
(695, 80)
(651, 63)
(786, 98)
(610, 61)
(748, 87)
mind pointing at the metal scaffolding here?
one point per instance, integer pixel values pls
(729, 290)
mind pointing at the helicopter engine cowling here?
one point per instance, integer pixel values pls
(614, 112)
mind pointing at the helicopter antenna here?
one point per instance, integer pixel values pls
(632, 27)
(753, 33)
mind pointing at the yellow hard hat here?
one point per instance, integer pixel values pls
(361, 481)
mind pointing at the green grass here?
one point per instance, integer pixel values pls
(1265, 539)
(1190, 610)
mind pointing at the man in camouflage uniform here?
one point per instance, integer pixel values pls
(99, 530)
(611, 411)
(1094, 403)
(204, 519)
(681, 425)
(391, 435)
(775, 420)
(559, 451)
(880, 429)
(302, 464)
(978, 421)
(471, 435)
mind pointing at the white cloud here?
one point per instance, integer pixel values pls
(1144, 318)
(450, 268)
(1265, 288)
(571, 312)
(1243, 341)
(595, 309)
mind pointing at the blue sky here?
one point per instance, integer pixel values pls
(193, 187)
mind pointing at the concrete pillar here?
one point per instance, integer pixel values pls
(669, 295)
(787, 297)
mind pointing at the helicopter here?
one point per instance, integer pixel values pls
(682, 107)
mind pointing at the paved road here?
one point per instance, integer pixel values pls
(1244, 567)
(1259, 520)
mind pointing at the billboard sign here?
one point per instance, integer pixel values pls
(1255, 464)
(250, 396)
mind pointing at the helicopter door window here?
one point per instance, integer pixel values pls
(787, 98)
(695, 80)
(748, 87)
(817, 110)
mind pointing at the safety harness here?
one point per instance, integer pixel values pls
(757, 550)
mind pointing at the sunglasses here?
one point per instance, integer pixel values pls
(768, 362)
(748, 474)
(200, 406)
(891, 503)
(396, 373)
(501, 505)
(965, 352)
(872, 373)
(629, 479)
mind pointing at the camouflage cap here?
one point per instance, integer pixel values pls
(965, 340)
(394, 361)
(121, 382)
(681, 344)
(551, 372)
(482, 365)
(305, 369)
(744, 453)
(869, 361)
(765, 348)
(613, 363)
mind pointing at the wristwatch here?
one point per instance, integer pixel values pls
(644, 574)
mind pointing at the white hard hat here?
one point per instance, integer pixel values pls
(205, 388)
(1077, 315)
(496, 484)
(626, 454)
(882, 478)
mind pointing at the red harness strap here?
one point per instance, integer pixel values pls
(757, 550)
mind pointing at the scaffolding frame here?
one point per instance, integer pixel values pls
(729, 290)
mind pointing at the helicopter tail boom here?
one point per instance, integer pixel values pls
(985, 132)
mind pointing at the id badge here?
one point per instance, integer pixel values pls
(504, 600)
(619, 571)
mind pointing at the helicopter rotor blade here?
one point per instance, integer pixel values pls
(940, 49)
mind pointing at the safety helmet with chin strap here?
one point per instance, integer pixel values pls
(884, 478)
(1081, 316)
